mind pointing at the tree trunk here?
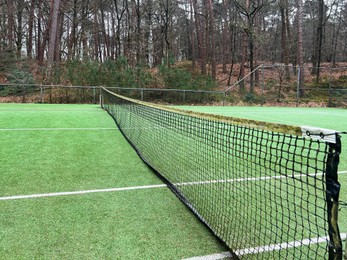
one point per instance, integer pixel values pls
(192, 35)
(200, 30)
(242, 63)
(300, 51)
(10, 24)
(251, 61)
(284, 38)
(41, 41)
(319, 37)
(30, 29)
(225, 45)
(210, 22)
(57, 48)
(83, 48)
(53, 31)
(72, 40)
(149, 35)
(97, 52)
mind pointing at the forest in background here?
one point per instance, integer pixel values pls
(136, 43)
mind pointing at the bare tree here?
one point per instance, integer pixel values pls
(249, 9)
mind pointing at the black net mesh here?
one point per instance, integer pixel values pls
(262, 192)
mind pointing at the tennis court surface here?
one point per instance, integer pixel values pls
(73, 187)
(91, 195)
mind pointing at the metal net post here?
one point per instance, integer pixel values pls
(332, 198)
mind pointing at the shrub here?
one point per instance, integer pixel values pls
(178, 78)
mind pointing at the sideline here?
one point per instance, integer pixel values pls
(56, 129)
(56, 194)
(266, 248)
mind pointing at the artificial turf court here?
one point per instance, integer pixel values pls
(49, 149)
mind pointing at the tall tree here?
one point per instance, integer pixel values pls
(30, 29)
(200, 28)
(284, 35)
(10, 24)
(53, 30)
(210, 22)
(300, 51)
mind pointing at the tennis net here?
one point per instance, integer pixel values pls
(269, 191)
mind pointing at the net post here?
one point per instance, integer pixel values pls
(94, 94)
(101, 98)
(262, 82)
(298, 87)
(332, 198)
(41, 94)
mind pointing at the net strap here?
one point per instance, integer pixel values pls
(332, 198)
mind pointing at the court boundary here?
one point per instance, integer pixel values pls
(266, 248)
(58, 129)
(81, 192)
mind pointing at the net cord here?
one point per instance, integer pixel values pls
(261, 125)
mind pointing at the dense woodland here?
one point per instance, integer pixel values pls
(147, 34)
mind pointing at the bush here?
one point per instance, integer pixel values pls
(110, 73)
(177, 78)
(83, 73)
(7, 60)
(20, 76)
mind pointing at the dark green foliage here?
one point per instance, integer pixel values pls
(110, 73)
(7, 60)
(20, 74)
(81, 73)
(177, 78)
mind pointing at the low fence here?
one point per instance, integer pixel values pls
(90, 94)
(48, 94)
(267, 84)
(278, 83)
(173, 96)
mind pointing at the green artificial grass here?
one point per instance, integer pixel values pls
(63, 160)
(80, 148)
(144, 224)
(57, 148)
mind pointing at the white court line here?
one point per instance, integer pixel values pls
(217, 256)
(57, 129)
(56, 194)
(253, 179)
(267, 248)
